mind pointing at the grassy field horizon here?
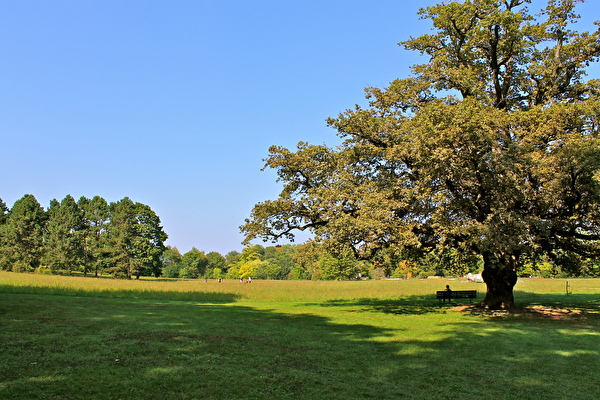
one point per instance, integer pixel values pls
(75, 338)
(271, 290)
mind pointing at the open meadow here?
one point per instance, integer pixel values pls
(97, 338)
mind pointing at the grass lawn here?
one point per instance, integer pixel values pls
(86, 338)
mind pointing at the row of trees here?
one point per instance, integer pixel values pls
(123, 238)
(315, 262)
(306, 261)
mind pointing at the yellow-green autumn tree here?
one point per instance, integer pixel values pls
(490, 147)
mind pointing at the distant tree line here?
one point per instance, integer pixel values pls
(122, 238)
(314, 261)
(125, 239)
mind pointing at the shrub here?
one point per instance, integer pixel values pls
(20, 266)
(171, 271)
(188, 273)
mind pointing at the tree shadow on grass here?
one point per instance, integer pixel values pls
(587, 300)
(56, 347)
(558, 306)
(413, 305)
(143, 293)
(528, 304)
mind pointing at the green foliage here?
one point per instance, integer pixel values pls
(233, 271)
(546, 268)
(330, 267)
(191, 265)
(64, 249)
(22, 235)
(93, 235)
(123, 238)
(3, 212)
(171, 255)
(196, 262)
(215, 260)
(281, 259)
(135, 238)
(248, 269)
(148, 240)
(20, 266)
(491, 148)
(188, 273)
(171, 270)
(232, 257)
(216, 273)
(44, 270)
(449, 262)
(268, 270)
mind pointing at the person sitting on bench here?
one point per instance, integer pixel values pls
(447, 294)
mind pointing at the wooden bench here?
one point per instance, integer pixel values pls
(456, 294)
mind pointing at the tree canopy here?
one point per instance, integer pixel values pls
(21, 234)
(489, 148)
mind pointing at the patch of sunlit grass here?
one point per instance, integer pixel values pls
(198, 289)
(530, 291)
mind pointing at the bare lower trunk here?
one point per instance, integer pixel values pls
(500, 276)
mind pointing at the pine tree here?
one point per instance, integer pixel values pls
(93, 234)
(62, 235)
(22, 235)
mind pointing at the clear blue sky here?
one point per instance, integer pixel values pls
(175, 103)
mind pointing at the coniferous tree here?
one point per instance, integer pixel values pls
(3, 211)
(3, 215)
(62, 235)
(22, 235)
(120, 235)
(93, 235)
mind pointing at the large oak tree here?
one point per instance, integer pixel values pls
(490, 147)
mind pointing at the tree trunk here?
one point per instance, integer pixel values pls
(500, 276)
